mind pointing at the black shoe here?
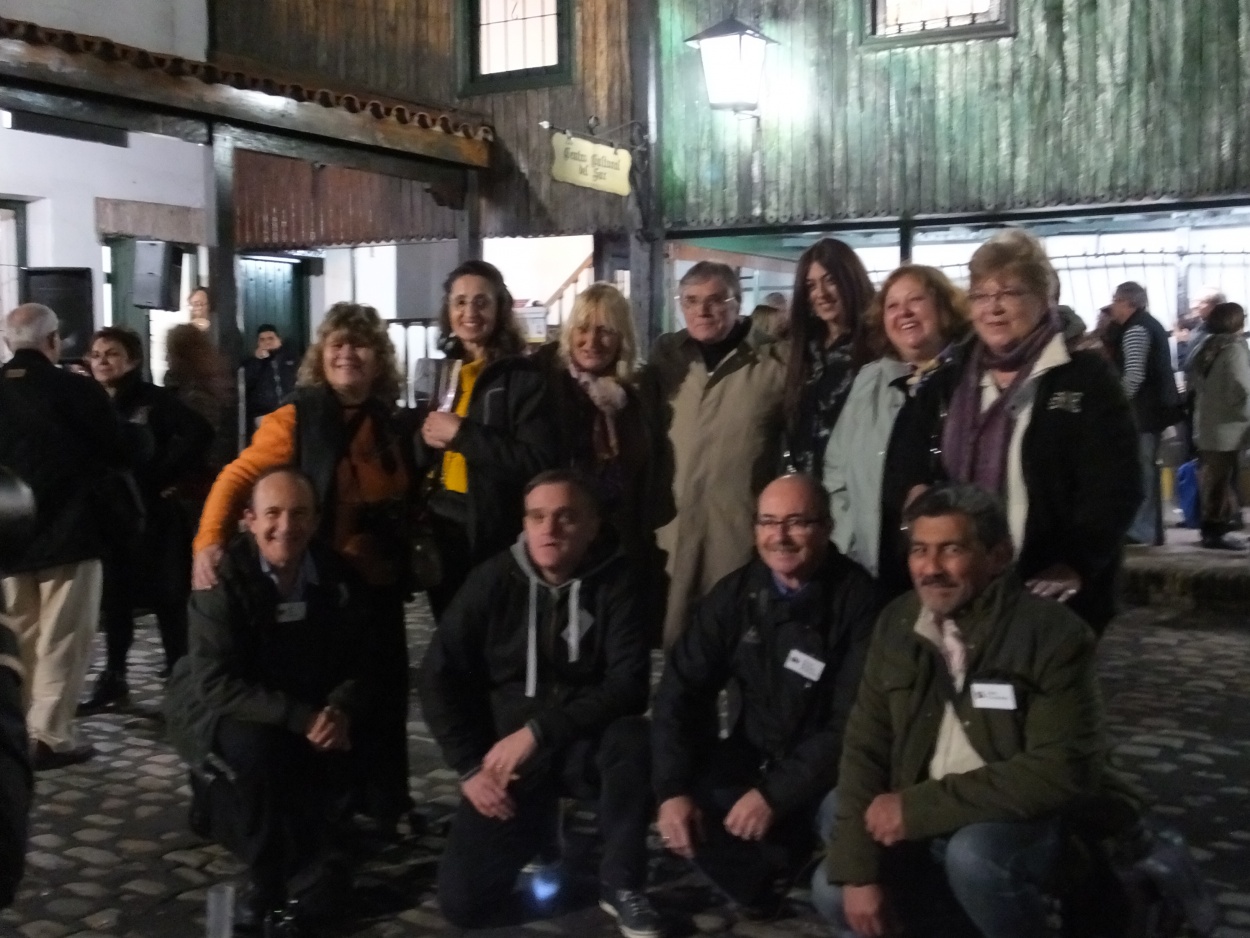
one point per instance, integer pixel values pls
(1219, 542)
(254, 909)
(111, 690)
(44, 758)
(635, 915)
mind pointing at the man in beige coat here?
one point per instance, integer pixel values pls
(718, 388)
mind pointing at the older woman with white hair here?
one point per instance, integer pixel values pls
(604, 430)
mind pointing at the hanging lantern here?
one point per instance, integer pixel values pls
(733, 64)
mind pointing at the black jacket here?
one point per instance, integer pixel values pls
(58, 432)
(243, 663)
(506, 439)
(473, 681)
(739, 638)
(177, 438)
(1079, 457)
(267, 381)
(1157, 403)
(16, 781)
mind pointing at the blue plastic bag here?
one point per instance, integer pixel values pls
(1187, 493)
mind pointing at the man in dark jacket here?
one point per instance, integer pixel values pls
(978, 722)
(16, 783)
(1144, 359)
(786, 634)
(268, 701)
(268, 376)
(534, 685)
(57, 432)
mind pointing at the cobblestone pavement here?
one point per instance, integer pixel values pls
(111, 856)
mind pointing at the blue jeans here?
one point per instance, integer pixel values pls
(995, 871)
(1147, 527)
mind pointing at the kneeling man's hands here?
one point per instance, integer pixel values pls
(489, 796)
(680, 821)
(750, 817)
(507, 755)
(864, 908)
(329, 730)
(884, 819)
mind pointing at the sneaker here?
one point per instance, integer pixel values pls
(111, 690)
(634, 914)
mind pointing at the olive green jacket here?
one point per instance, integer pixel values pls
(1046, 755)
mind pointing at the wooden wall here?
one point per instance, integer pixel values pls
(406, 50)
(1092, 101)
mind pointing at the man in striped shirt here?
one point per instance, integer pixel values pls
(1144, 361)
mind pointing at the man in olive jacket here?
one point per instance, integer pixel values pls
(271, 700)
(978, 722)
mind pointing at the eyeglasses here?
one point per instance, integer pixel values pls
(691, 303)
(1012, 294)
(788, 523)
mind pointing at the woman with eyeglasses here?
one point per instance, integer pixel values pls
(832, 294)
(913, 324)
(488, 430)
(602, 428)
(1045, 427)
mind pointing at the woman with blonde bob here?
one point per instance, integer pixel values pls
(913, 324)
(602, 428)
(341, 429)
(1043, 426)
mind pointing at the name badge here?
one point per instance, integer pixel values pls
(809, 667)
(987, 696)
(292, 612)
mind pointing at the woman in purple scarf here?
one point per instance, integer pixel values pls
(1045, 427)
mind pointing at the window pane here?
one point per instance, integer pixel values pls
(896, 17)
(517, 34)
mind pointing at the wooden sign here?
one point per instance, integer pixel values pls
(593, 165)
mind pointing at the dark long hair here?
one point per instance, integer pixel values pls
(506, 339)
(855, 292)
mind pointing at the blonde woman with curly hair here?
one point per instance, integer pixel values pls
(341, 428)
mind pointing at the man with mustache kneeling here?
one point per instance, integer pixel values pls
(978, 722)
(786, 635)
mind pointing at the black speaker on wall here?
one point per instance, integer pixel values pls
(157, 275)
(70, 293)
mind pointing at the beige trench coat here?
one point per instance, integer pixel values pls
(724, 444)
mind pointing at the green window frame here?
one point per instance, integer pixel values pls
(999, 26)
(474, 82)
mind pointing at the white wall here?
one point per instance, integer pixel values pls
(175, 27)
(63, 178)
(533, 267)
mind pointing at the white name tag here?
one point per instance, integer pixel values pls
(811, 668)
(986, 696)
(292, 612)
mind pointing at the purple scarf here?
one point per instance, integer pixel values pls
(975, 442)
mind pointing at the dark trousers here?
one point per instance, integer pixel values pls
(285, 795)
(1217, 472)
(456, 557)
(156, 572)
(382, 738)
(483, 856)
(747, 871)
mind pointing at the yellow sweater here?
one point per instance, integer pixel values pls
(455, 469)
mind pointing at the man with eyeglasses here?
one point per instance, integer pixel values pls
(786, 636)
(534, 687)
(718, 387)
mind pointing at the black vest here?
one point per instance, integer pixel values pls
(1157, 403)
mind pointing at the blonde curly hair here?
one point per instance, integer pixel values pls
(364, 326)
(603, 304)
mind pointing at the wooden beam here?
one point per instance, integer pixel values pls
(647, 265)
(372, 160)
(86, 73)
(469, 221)
(679, 251)
(18, 97)
(223, 282)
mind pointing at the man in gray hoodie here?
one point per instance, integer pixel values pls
(534, 687)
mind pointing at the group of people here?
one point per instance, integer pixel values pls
(748, 504)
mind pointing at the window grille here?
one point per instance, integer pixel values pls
(916, 18)
(517, 35)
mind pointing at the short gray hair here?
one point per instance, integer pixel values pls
(714, 270)
(982, 508)
(29, 325)
(1132, 292)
